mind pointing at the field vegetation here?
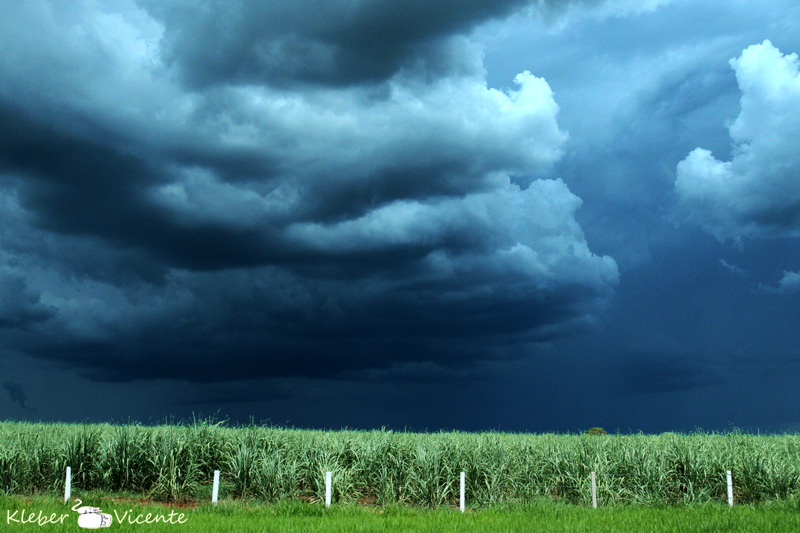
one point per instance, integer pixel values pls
(384, 468)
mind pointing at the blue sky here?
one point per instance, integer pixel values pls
(526, 216)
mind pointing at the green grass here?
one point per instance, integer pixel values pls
(239, 516)
(176, 463)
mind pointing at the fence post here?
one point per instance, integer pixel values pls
(730, 489)
(68, 485)
(327, 489)
(594, 491)
(463, 491)
(215, 490)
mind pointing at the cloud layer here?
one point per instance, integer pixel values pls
(259, 211)
(757, 193)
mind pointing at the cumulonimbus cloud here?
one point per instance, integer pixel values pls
(756, 194)
(158, 226)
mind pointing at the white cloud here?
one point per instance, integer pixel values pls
(789, 284)
(528, 232)
(757, 193)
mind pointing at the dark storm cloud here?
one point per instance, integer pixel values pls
(277, 42)
(247, 230)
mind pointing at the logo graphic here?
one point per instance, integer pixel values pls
(91, 517)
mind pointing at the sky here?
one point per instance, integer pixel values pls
(516, 215)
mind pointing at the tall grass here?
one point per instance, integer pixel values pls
(176, 462)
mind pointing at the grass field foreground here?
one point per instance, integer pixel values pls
(176, 463)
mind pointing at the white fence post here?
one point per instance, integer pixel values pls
(594, 490)
(462, 499)
(68, 485)
(730, 489)
(215, 490)
(327, 489)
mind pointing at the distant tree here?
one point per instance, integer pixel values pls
(595, 431)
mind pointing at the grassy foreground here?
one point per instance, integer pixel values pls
(176, 463)
(547, 516)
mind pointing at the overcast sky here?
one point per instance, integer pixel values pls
(519, 215)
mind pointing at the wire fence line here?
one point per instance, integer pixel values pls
(461, 498)
(384, 467)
